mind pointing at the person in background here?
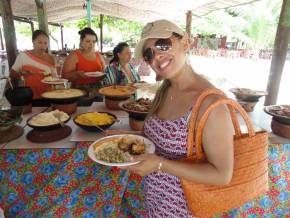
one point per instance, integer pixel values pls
(120, 71)
(85, 59)
(32, 66)
(164, 47)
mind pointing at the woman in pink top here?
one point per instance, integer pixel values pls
(164, 46)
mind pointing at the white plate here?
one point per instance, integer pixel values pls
(150, 149)
(55, 82)
(94, 74)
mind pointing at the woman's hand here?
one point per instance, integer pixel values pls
(78, 74)
(149, 163)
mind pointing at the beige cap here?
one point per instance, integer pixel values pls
(158, 29)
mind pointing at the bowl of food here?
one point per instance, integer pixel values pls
(95, 121)
(116, 94)
(137, 109)
(9, 118)
(117, 150)
(280, 113)
(48, 120)
(248, 95)
(63, 96)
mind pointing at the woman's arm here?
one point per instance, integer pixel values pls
(69, 68)
(102, 62)
(218, 146)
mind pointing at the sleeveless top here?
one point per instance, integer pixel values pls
(164, 195)
(26, 61)
(86, 65)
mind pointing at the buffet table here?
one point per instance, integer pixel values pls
(59, 180)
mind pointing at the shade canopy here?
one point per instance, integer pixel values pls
(59, 11)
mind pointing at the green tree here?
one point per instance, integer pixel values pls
(128, 30)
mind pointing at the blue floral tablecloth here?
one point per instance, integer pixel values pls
(66, 183)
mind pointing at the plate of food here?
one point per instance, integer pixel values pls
(280, 113)
(96, 74)
(53, 80)
(117, 150)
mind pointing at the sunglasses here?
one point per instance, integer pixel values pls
(162, 45)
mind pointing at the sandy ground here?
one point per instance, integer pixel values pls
(226, 73)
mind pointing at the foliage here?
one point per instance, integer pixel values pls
(128, 30)
(254, 24)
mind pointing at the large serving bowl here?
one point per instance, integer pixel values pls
(88, 121)
(49, 126)
(248, 95)
(116, 94)
(137, 110)
(63, 96)
(9, 118)
(19, 96)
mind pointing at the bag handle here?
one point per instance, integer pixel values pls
(234, 105)
(195, 111)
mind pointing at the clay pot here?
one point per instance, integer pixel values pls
(248, 105)
(280, 129)
(135, 124)
(113, 104)
(67, 108)
(19, 96)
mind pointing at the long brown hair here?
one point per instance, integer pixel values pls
(159, 97)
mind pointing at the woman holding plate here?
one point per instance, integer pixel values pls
(34, 65)
(84, 60)
(164, 47)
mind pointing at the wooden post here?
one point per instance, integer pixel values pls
(188, 23)
(32, 26)
(61, 36)
(42, 17)
(89, 14)
(279, 54)
(1, 39)
(9, 31)
(101, 31)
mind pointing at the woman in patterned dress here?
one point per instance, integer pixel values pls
(120, 71)
(164, 46)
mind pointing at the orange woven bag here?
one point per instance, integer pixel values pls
(250, 175)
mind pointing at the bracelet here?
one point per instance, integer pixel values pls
(159, 170)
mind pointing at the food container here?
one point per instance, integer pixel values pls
(92, 128)
(8, 118)
(114, 95)
(19, 96)
(136, 124)
(46, 127)
(247, 95)
(63, 96)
